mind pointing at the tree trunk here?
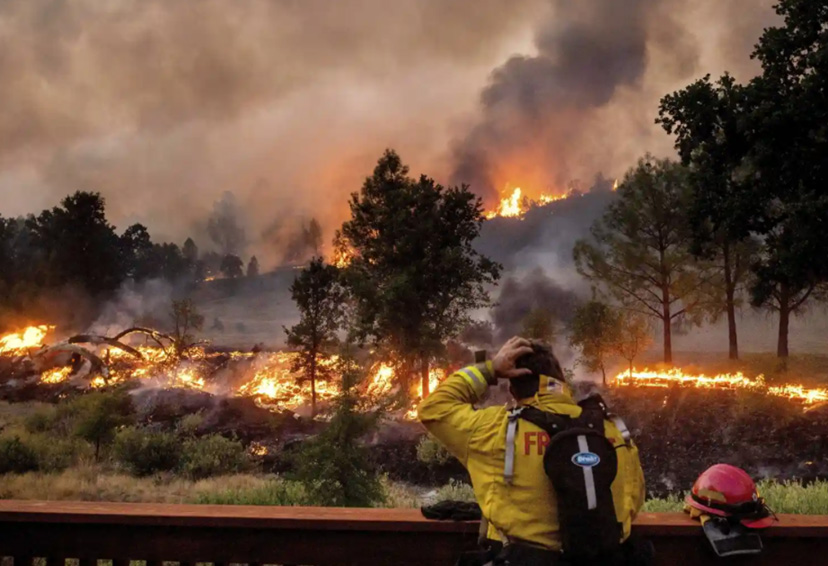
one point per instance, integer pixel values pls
(668, 322)
(784, 320)
(424, 376)
(312, 374)
(730, 299)
(603, 375)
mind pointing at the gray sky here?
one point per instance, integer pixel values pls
(162, 105)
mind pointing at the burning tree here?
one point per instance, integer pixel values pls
(414, 273)
(641, 253)
(320, 297)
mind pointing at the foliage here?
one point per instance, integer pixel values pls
(709, 124)
(76, 244)
(190, 251)
(320, 298)
(144, 452)
(414, 273)
(431, 452)
(232, 266)
(97, 415)
(15, 456)
(213, 455)
(334, 467)
(455, 491)
(595, 332)
(641, 253)
(275, 491)
(632, 337)
(186, 319)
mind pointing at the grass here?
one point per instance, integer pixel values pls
(783, 497)
(93, 484)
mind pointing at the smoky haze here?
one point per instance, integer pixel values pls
(585, 102)
(165, 105)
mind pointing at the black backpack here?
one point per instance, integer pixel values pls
(582, 464)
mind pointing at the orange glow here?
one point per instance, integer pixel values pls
(342, 258)
(515, 203)
(733, 381)
(615, 185)
(56, 375)
(19, 343)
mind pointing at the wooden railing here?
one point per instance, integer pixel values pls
(187, 534)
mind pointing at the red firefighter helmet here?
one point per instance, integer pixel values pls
(728, 491)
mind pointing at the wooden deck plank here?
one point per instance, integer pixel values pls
(327, 518)
(325, 536)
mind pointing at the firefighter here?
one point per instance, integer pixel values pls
(504, 456)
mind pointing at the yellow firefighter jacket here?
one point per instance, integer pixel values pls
(526, 509)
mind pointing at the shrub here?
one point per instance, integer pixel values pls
(213, 455)
(144, 452)
(431, 452)
(189, 424)
(276, 491)
(334, 467)
(455, 491)
(16, 457)
(99, 414)
(55, 453)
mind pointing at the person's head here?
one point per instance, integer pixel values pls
(542, 362)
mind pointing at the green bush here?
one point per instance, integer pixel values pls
(431, 452)
(44, 419)
(277, 492)
(144, 452)
(455, 491)
(55, 454)
(213, 455)
(334, 466)
(16, 456)
(98, 415)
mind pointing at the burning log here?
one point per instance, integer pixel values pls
(49, 358)
(154, 334)
(97, 340)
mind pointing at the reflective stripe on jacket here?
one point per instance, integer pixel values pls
(526, 509)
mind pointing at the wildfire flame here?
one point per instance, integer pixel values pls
(515, 204)
(733, 381)
(615, 185)
(19, 343)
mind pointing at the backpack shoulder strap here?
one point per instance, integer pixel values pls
(511, 434)
(551, 423)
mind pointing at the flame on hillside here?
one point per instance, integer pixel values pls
(677, 377)
(515, 204)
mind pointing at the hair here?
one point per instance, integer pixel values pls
(542, 362)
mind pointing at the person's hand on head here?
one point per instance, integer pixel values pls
(504, 361)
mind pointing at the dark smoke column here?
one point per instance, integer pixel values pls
(535, 108)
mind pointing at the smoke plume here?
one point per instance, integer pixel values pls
(585, 103)
(519, 296)
(163, 105)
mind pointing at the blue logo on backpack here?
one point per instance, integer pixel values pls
(586, 459)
